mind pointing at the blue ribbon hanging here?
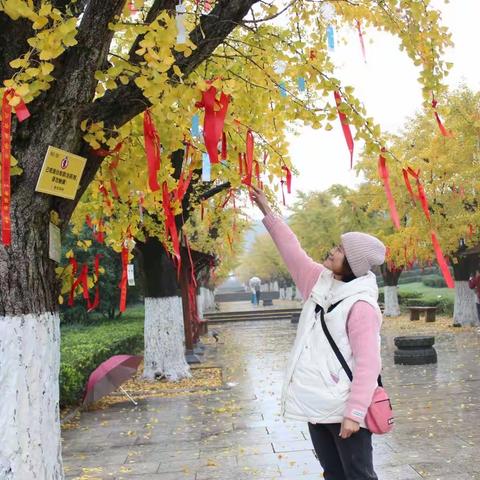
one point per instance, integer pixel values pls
(195, 126)
(206, 168)
(330, 38)
(301, 84)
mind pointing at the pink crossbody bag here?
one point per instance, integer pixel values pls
(379, 418)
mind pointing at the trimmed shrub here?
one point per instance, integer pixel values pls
(83, 348)
(435, 281)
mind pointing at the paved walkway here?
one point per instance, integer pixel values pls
(237, 433)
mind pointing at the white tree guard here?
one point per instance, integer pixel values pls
(164, 339)
(30, 446)
(392, 308)
(464, 309)
(200, 306)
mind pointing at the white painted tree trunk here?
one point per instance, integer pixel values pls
(210, 296)
(164, 339)
(30, 446)
(464, 309)
(205, 301)
(392, 308)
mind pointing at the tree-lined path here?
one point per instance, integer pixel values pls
(237, 433)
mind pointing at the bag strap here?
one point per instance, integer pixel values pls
(334, 346)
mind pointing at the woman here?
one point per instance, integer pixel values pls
(316, 388)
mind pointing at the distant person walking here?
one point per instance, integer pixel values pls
(474, 284)
(343, 291)
(254, 283)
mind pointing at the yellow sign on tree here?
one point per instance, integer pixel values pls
(61, 173)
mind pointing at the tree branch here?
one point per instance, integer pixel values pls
(119, 106)
(19, 30)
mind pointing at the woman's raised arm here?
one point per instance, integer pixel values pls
(302, 268)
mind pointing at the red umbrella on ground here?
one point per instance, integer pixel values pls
(110, 375)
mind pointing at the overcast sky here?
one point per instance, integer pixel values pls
(387, 84)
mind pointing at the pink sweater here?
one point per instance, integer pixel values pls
(363, 323)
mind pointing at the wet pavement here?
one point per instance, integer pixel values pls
(236, 433)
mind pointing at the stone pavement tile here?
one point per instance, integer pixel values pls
(238, 473)
(293, 461)
(99, 472)
(307, 476)
(97, 459)
(156, 476)
(237, 450)
(397, 472)
(195, 464)
(151, 453)
(433, 469)
(242, 424)
(291, 446)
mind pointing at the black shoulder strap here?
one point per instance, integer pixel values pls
(332, 343)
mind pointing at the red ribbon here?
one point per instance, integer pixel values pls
(22, 113)
(184, 180)
(74, 265)
(408, 184)
(288, 174)
(106, 198)
(423, 199)
(131, 7)
(345, 126)
(152, 150)
(384, 175)
(247, 180)
(99, 234)
(96, 268)
(443, 130)
(123, 280)
(215, 112)
(113, 187)
(82, 280)
(362, 43)
(170, 226)
(101, 152)
(257, 172)
(441, 262)
(224, 146)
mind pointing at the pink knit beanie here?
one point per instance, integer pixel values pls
(362, 251)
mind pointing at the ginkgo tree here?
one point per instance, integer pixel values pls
(85, 69)
(443, 200)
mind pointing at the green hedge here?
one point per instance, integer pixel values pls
(83, 348)
(435, 281)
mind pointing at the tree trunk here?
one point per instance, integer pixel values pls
(29, 349)
(390, 278)
(164, 335)
(392, 308)
(464, 309)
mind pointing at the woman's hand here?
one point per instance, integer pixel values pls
(260, 199)
(348, 428)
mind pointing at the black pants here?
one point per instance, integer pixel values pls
(343, 459)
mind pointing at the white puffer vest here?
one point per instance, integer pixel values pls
(316, 388)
